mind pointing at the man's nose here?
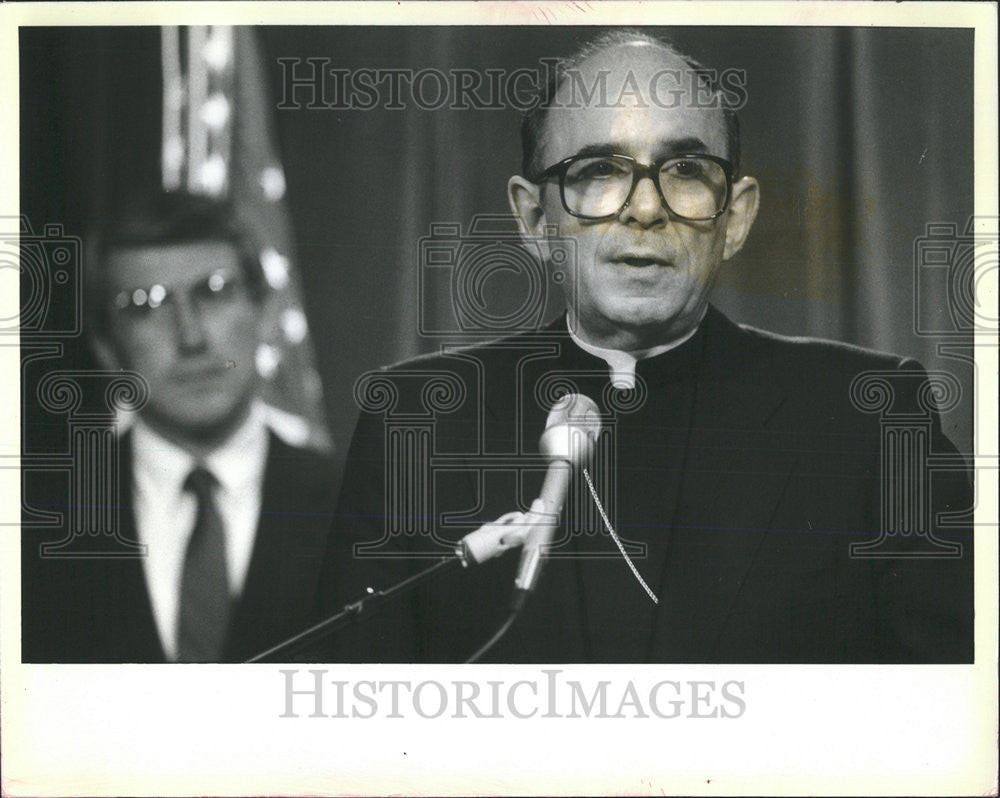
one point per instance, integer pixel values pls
(190, 326)
(646, 206)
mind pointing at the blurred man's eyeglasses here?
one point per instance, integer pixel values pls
(214, 291)
(693, 187)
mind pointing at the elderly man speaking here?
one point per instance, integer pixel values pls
(731, 508)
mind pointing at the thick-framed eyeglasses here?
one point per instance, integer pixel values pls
(694, 187)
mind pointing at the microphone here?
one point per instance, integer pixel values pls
(567, 443)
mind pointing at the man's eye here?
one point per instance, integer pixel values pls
(684, 169)
(214, 291)
(600, 170)
(135, 304)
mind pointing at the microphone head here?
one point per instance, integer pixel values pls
(574, 408)
(571, 429)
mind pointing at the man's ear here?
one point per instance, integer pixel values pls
(525, 200)
(742, 212)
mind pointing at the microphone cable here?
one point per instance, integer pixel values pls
(616, 539)
(496, 637)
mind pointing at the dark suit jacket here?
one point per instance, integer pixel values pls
(98, 609)
(739, 484)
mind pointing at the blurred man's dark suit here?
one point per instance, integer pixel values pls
(747, 473)
(99, 610)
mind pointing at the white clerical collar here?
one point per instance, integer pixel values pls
(622, 363)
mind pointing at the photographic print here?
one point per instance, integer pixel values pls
(422, 398)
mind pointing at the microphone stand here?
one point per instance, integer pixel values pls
(351, 613)
(570, 429)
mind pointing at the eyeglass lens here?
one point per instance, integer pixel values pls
(600, 186)
(215, 289)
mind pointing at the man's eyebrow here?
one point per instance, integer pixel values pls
(691, 144)
(600, 149)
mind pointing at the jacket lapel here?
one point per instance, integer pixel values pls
(280, 587)
(122, 581)
(735, 471)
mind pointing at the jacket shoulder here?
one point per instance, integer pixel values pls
(819, 352)
(299, 467)
(830, 379)
(450, 357)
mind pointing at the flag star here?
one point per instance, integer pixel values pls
(212, 175)
(294, 325)
(218, 47)
(275, 266)
(272, 181)
(215, 111)
(267, 359)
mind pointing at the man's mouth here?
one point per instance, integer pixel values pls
(200, 374)
(641, 261)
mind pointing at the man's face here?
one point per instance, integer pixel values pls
(643, 276)
(192, 334)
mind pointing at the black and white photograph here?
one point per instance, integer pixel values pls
(435, 398)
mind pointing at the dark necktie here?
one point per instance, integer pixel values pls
(204, 602)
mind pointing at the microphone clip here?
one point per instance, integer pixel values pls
(509, 531)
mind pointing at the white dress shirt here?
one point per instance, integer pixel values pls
(622, 363)
(165, 513)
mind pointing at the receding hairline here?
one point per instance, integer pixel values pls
(671, 57)
(534, 129)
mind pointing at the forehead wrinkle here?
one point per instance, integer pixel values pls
(642, 61)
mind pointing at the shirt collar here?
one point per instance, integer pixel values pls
(621, 362)
(236, 463)
(240, 460)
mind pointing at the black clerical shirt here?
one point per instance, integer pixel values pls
(738, 474)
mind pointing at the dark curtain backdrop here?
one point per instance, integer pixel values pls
(859, 138)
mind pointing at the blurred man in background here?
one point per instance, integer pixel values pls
(233, 518)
